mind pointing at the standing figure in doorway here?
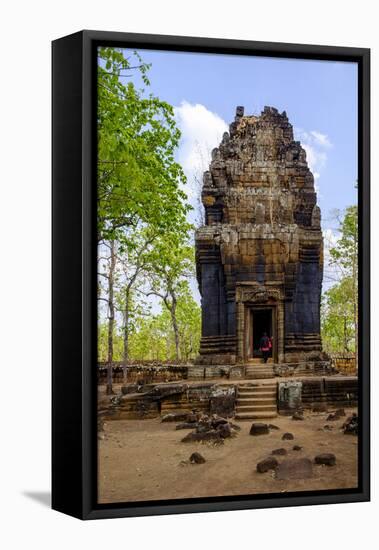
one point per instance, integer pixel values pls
(265, 346)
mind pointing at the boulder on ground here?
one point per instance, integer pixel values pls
(329, 459)
(267, 464)
(280, 451)
(295, 468)
(298, 415)
(273, 427)
(197, 458)
(287, 436)
(259, 429)
(296, 448)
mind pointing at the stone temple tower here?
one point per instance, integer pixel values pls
(259, 256)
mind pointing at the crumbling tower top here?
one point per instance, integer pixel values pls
(259, 174)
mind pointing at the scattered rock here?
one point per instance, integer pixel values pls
(197, 458)
(213, 436)
(350, 427)
(328, 428)
(259, 429)
(224, 430)
(175, 417)
(329, 459)
(217, 421)
(203, 426)
(287, 436)
(273, 427)
(267, 464)
(298, 415)
(280, 451)
(295, 468)
(296, 448)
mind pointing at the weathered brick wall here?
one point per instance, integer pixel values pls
(143, 374)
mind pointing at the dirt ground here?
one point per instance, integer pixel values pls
(146, 460)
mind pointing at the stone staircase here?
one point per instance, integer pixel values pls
(259, 370)
(256, 401)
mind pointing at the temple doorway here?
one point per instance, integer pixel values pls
(261, 322)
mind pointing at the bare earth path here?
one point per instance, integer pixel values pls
(146, 460)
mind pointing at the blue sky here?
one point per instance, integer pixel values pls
(320, 98)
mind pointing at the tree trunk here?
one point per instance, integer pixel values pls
(126, 338)
(175, 328)
(111, 318)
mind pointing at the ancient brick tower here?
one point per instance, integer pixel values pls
(259, 256)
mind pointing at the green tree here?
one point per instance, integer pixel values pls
(345, 256)
(337, 326)
(172, 266)
(138, 178)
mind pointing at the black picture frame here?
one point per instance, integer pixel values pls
(74, 437)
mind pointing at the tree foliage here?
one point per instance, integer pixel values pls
(143, 231)
(138, 178)
(339, 312)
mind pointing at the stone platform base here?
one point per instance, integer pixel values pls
(260, 370)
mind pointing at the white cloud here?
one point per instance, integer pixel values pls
(316, 146)
(321, 139)
(202, 130)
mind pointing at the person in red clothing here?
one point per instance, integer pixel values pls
(265, 346)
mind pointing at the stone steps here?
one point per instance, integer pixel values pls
(257, 408)
(254, 416)
(256, 401)
(259, 371)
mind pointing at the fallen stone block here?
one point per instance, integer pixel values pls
(297, 448)
(298, 416)
(287, 436)
(273, 427)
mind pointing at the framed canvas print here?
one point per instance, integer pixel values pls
(210, 274)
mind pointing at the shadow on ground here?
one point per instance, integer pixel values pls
(42, 497)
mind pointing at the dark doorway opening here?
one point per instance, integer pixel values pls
(261, 324)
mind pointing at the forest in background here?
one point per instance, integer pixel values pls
(146, 262)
